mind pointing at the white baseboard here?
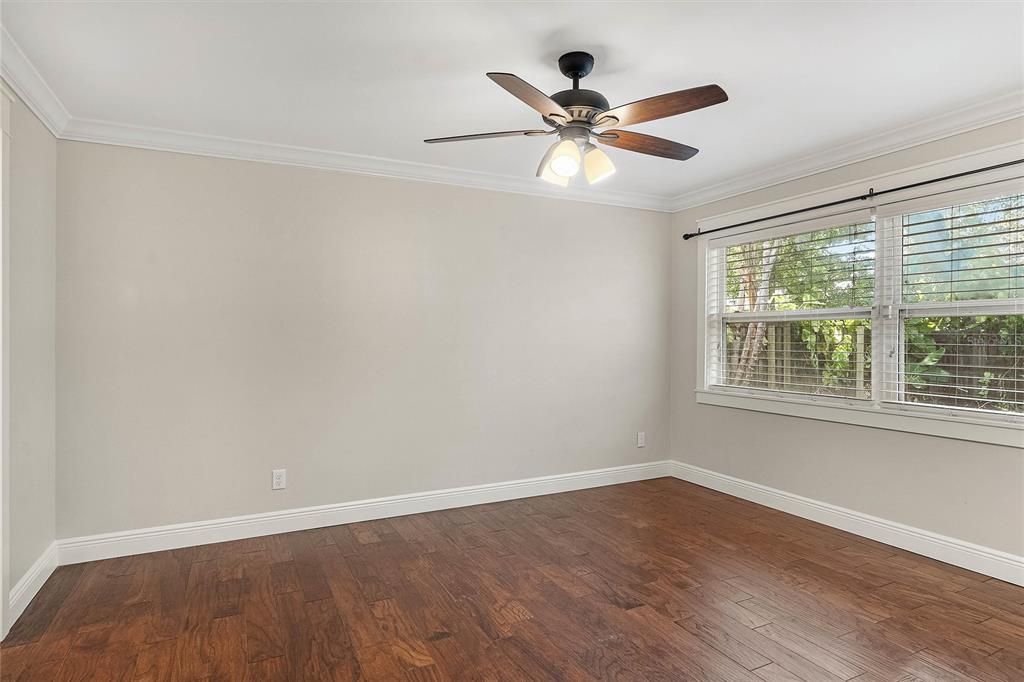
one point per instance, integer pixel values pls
(991, 562)
(984, 560)
(109, 545)
(28, 586)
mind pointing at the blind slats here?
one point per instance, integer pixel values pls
(828, 268)
(966, 239)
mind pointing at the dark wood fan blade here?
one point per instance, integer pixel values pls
(646, 144)
(543, 104)
(485, 136)
(663, 106)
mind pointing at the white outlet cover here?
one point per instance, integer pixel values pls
(641, 439)
(278, 479)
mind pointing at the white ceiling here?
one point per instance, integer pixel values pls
(805, 80)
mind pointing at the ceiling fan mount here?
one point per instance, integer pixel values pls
(576, 65)
(576, 115)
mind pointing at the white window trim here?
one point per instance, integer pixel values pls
(876, 413)
(975, 430)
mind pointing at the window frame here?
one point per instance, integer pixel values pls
(882, 410)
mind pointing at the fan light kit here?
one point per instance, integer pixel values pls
(579, 117)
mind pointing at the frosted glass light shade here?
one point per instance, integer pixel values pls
(549, 175)
(565, 161)
(596, 164)
(544, 171)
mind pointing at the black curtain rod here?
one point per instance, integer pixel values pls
(863, 197)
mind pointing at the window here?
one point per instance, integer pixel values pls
(916, 308)
(797, 312)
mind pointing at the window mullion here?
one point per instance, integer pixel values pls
(877, 336)
(889, 271)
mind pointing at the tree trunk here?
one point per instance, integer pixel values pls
(756, 277)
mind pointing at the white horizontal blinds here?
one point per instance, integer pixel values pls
(820, 357)
(962, 318)
(791, 312)
(969, 252)
(830, 268)
(965, 361)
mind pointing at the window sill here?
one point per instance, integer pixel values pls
(978, 430)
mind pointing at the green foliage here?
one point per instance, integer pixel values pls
(825, 357)
(972, 361)
(923, 354)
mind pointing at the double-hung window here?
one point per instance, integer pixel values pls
(912, 308)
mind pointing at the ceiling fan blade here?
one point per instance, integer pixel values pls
(646, 144)
(485, 136)
(543, 104)
(662, 106)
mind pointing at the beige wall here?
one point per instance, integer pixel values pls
(217, 319)
(32, 234)
(965, 490)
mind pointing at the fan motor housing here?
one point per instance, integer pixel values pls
(582, 105)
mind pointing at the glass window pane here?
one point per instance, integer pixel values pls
(974, 361)
(832, 268)
(965, 253)
(819, 357)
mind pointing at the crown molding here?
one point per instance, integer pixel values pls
(929, 130)
(28, 84)
(951, 123)
(106, 132)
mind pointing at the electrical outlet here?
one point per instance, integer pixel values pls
(641, 439)
(278, 479)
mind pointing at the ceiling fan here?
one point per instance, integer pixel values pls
(581, 117)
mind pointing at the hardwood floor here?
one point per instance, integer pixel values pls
(658, 580)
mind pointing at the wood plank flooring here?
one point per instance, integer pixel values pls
(657, 580)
